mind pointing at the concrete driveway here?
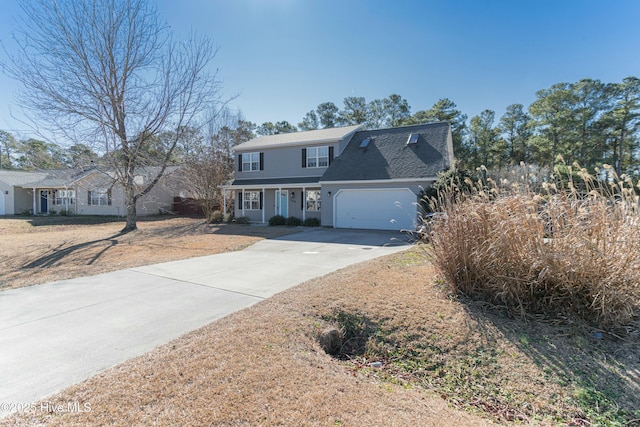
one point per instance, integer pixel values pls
(58, 334)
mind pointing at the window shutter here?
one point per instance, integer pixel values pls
(240, 199)
(239, 162)
(109, 197)
(89, 197)
(302, 200)
(261, 162)
(261, 197)
(330, 154)
(304, 157)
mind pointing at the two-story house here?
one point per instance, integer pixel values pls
(346, 177)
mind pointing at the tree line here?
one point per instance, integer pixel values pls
(589, 122)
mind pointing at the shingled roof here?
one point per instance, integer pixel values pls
(389, 156)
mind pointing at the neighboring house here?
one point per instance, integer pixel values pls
(346, 177)
(82, 192)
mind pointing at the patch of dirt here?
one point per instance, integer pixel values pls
(46, 249)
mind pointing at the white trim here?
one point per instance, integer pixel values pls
(304, 203)
(263, 197)
(224, 202)
(378, 181)
(289, 144)
(273, 186)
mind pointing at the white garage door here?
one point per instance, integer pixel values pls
(377, 209)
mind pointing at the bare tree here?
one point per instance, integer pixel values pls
(208, 167)
(110, 73)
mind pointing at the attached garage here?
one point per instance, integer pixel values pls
(375, 208)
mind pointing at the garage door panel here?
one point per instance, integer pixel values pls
(378, 209)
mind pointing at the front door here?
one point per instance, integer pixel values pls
(282, 203)
(44, 201)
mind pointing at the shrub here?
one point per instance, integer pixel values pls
(293, 221)
(311, 222)
(242, 220)
(228, 218)
(454, 182)
(277, 220)
(564, 252)
(215, 217)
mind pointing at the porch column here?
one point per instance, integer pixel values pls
(264, 202)
(279, 201)
(35, 207)
(304, 203)
(224, 202)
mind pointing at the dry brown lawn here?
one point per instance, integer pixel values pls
(444, 361)
(44, 249)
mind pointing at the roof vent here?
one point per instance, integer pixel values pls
(365, 143)
(413, 138)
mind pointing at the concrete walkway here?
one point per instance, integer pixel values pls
(58, 334)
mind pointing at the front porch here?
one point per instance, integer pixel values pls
(45, 201)
(259, 204)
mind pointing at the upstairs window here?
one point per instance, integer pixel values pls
(317, 157)
(249, 162)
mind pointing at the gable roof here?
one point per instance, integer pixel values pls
(388, 156)
(299, 138)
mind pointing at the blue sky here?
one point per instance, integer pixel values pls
(284, 57)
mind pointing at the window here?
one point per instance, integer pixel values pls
(64, 197)
(99, 197)
(251, 200)
(250, 162)
(317, 157)
(313, 200)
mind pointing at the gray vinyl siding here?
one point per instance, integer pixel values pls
(284, 162)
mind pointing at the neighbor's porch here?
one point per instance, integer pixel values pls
(48, 200)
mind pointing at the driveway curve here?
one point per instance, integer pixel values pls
(58, 334)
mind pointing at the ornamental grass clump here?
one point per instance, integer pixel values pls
(572, 249)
